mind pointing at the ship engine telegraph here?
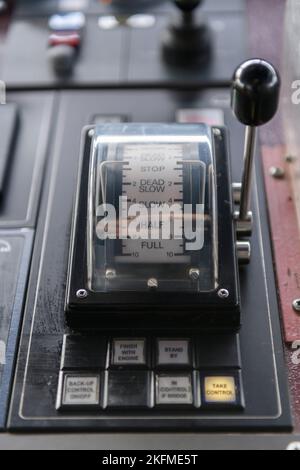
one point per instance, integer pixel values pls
(156, 236)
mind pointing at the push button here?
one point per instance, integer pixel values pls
(141, 21)
(70, 39)
(128, 352)
(108, 22)
(221, 390)
(126, 389)
(67, 22)
(174, 389)
(78, 390)
(173, 352)
(218, 351)
(81, 352)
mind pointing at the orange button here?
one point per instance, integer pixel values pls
(220, 390)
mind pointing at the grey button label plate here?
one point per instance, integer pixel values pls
(174, 390)
(173, 352)
(129, 351)
(81, 390)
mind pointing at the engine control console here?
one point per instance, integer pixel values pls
(132, 341)
(140, 292)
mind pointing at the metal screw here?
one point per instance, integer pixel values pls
(276, 172)
(293, 446)
(223, 293)
(152, 283)
(91, 133)
(217, 132)
(296, 305)
(81, 294)
(289, 158)
(110, 274)
(194, 274)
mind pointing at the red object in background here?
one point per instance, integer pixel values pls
(5, 14)
(68, 39)
(286, 239)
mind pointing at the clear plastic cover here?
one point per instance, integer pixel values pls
(151, 208)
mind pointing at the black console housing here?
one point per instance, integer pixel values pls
(51, 352)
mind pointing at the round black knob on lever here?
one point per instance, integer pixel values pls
(187, 40)
(187, 5)
(255, 92)
(254, 100)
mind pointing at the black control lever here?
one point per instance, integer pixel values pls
(187, 40)
(187, 5)
(254, 101)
